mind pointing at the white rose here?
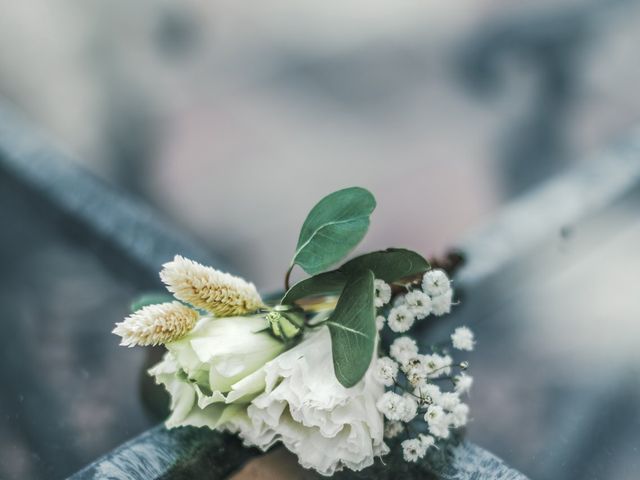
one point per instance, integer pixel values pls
(212, 373)
(326, 425)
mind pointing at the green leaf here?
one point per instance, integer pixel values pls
(389, 265)
(150, 299)
(333, 228)
(322, 284)
(353, 329)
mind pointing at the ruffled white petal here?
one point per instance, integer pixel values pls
(328, 426)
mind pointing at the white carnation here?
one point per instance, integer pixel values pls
(329, 427)
(462, 339)
(380, 321)
(400, 319)
(435, 282)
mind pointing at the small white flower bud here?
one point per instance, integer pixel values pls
(400, 319)
(435, 282)
(382, 293)
(462, 339)
(385, 371)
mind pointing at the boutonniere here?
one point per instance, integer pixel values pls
(310, 370)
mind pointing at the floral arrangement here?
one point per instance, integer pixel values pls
(318, 370)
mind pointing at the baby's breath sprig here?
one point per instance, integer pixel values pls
(413, 395)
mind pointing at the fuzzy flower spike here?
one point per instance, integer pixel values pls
(209, 289)
(156, 324)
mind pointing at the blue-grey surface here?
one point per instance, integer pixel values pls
(74, 253)
(131, 226)
(154, 454)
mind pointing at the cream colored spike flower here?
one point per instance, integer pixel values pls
(204, 287)
(154, 324)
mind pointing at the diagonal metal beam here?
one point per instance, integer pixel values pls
(559, 203)
(133, 228)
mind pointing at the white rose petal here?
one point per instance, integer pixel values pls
(214, 366)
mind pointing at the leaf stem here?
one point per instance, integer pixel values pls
(287, 278)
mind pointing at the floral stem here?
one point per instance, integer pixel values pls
(406, 390)
(287, 278)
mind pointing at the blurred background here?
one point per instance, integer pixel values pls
(232, 119)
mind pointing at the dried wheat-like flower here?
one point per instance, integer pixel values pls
(204, 287)
(154, 324)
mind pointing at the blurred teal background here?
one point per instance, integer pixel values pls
(232, 119)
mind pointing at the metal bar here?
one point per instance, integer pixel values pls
(556, 204)
(132, 227)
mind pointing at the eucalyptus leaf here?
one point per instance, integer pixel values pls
(334, 226)
(353, 329)
(146, 299)
(389, 265)
(322, 284)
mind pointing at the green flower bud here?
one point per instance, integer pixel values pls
(286, 322)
